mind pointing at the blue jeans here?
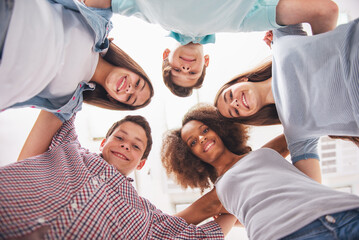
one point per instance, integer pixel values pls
(6, 7)
(341, 225)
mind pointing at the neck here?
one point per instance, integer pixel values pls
(267, 90)
(226, 161)
(101, 71)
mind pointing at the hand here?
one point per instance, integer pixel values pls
(268, 38)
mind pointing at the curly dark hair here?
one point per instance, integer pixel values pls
(188, 169)
(176, 89)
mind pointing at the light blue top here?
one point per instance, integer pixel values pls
(316, 85)
(194, 20)
(98, 20)
(64, 112)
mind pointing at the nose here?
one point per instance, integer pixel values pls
(125, 146)
(130, 89)
(202, 139)
(235, 103)
(186, 68)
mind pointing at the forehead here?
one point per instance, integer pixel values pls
(190, 128)
(133, 130)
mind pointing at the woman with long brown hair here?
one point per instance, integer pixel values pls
(55, 57)
(311, 87)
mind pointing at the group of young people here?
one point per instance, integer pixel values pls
(58, 189)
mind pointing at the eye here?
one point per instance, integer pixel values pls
(230, 95)
(191, 144)
(138, 82)
(119, 138)
(205, 130)
(192, 73)
(236, 111)
(129, 97)
(177, 69)
(136, 147)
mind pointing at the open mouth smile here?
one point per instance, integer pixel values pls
(208, 146)
(244, 102)
(121, 84)
(120, 155)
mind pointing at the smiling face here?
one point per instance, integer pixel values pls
(127, 87)
(124, 148)
(203, 142)
(186, 63)
(241, 99)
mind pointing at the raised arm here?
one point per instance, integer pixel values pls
(278, 144)
(206, 206)
(322, 15)
(40, 136)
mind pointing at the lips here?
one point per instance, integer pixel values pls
(121, 83)
(120, 155)
(244, 101)
(186, 59)
(208, 146)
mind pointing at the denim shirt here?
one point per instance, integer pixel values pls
(65, 112)
(98, 20)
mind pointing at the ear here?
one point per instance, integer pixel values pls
(206, 60)
(166, 52)
(141, 164)
(102, 144)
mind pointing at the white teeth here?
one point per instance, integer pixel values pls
(122, 83)
(208, 146)
(120, 155)
(244, 101)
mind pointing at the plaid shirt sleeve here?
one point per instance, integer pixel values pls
(171, 227)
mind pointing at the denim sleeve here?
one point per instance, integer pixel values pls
(304, 149)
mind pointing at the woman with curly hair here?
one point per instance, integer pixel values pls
(267, 194)
(193, 172)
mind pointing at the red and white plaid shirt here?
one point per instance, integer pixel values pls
(78, 195)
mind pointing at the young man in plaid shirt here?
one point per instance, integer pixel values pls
(68, 192)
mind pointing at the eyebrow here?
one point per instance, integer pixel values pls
(191, 135)
(144, 84)
(138, 139)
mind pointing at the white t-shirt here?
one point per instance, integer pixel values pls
(48, 49)
(273, 199)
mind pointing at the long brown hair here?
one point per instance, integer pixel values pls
(100, 98)
(188, 169)
(268, 114)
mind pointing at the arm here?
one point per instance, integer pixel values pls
(278, 144)
(311, 168)
(98, 3)
(206, 206)
(322, 15)
(226, 222)
(40, 135)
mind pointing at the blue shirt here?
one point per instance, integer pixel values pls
(197, 21)
(315, 85)
(64, 113)
(98, 19)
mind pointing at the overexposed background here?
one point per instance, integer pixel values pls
(231, 55)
